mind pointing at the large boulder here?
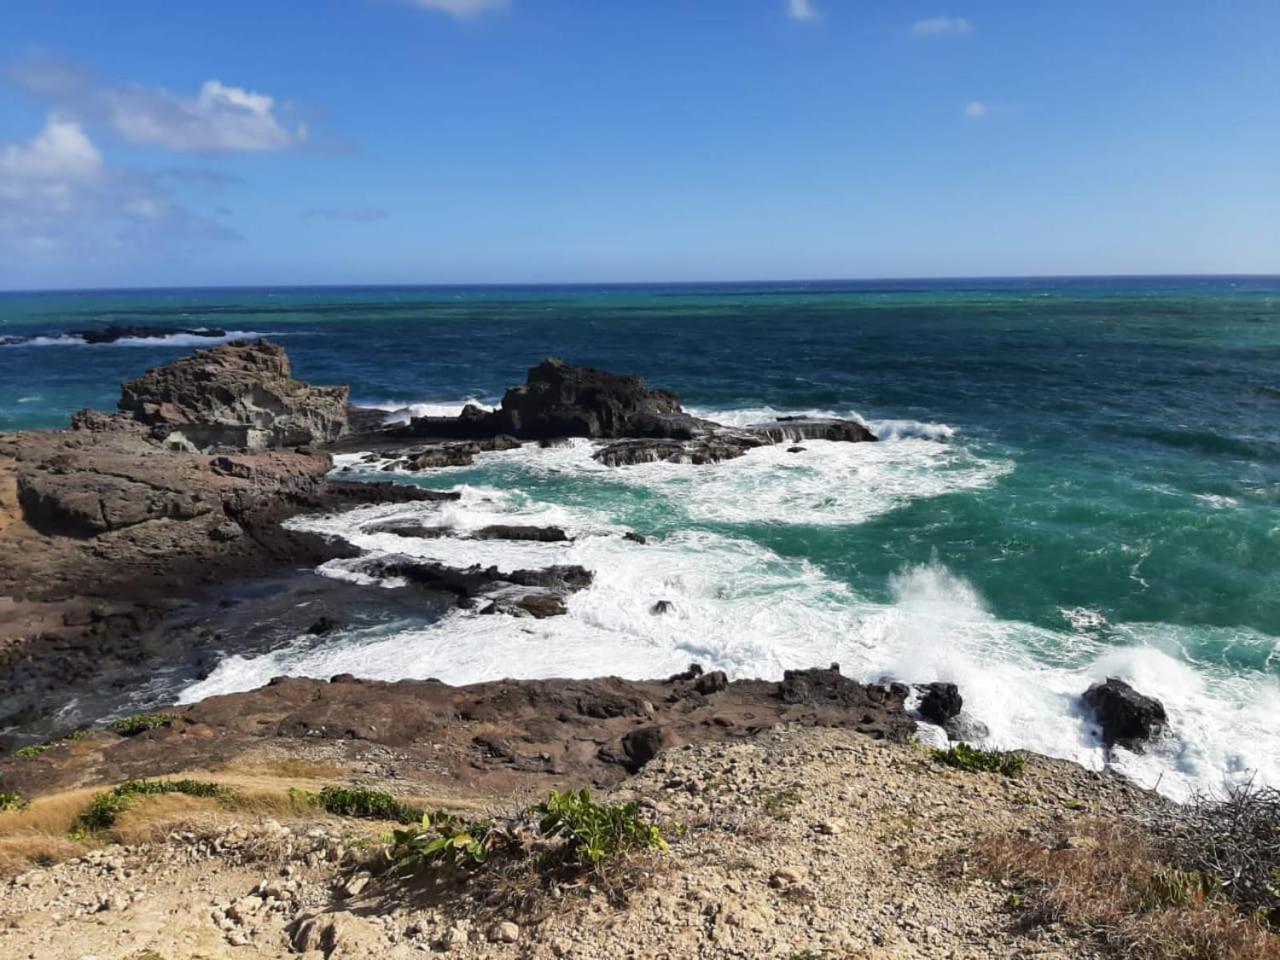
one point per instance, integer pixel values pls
(939, 702)
(240, 395)
(560, 400)
(1126, 716)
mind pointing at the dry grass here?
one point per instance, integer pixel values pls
(1117, 882)
(40, 832)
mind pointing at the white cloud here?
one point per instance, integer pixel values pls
(61, 151)
(219, 118)
(941, 26)
(60, 202)
(800, 10)
(976, 109)
(462, 8)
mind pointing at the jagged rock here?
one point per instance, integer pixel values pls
(644, 743)
(324, 624)
(410, 530)
(444, 455)
(1126, 716)
(635, 537)
(790, 429)
(239, 394)
(542, 605)
(939, 702)
(662, 606)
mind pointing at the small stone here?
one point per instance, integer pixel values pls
(357, 883)
(786, 876)
(505, 932)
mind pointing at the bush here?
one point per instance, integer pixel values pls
(9, 800)
(595, 831)
(33, 751)
(142, 722)
(367, 804)
(568, 833)
(106, 807)
(972, 759)
(780, 803)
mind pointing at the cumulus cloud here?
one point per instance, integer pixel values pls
(358, 215)
(461, 8)
(59, 200)
(976, 109)
(218, 118)
(800, 10)
(941, 26)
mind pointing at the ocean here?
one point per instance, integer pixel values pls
(1079, 478)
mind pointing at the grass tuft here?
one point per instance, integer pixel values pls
(142, 722)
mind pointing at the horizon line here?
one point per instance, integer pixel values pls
(551, 284)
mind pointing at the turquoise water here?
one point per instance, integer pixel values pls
(1079, 477)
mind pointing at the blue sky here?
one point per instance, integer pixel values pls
(466, 141)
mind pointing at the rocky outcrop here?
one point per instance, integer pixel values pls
(239, 395)
(490, 734)
(559, 400)
(1127, 717)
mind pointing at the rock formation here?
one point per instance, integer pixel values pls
(1127, 717)
(239, 395)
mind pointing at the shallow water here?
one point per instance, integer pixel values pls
(1079, 478)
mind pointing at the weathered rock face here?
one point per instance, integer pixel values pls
(239, 395)
(1126, 716)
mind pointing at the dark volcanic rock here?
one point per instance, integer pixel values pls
(509, 735)
(939, 702)
(1126, 716)
(240, 395)
(790, 429)
(507, 532)
(559, 400)
(112, 333)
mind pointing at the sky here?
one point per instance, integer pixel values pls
(490, 141)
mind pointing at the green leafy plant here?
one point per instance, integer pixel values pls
(142, 722)
(33, 751)
(595, 831)
(104, 808)
(444, 840)
(356, 801)
(10, 800)
(973, 759)
(1026, 800)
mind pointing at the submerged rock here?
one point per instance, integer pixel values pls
(1126, 716)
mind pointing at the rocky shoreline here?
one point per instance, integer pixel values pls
(149, 542)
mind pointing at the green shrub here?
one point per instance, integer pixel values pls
(33, 751)
(444, 840)
(367, 804)
(594, 831)
(9, 800)
(964, 757)
(142, 722)
(106, 807)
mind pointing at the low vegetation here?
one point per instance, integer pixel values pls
(1199, 883)
(106, 807)
(568, 838)
(780, 803)
(356, 801)
(973, 759)
(141, 723)
(36, 749)
(9, 800)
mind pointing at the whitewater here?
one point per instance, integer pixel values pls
(737, 605)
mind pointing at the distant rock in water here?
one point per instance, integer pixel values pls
(112, 333)
(239, 394)
(1126, 716)
(115, 332)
